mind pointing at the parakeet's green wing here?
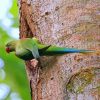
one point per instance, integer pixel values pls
(36, 40)
(34, 50)
(30, 45)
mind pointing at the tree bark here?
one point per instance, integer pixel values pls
(65, 23)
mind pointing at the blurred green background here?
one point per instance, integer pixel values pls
(13, 80)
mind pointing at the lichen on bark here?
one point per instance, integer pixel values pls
(82, 79)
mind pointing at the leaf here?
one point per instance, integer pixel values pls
(14, 11)
(14, 8)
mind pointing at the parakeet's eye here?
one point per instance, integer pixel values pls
(7, 49)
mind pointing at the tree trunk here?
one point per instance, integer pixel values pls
(65, 23)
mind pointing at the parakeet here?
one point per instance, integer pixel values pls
(31, 48)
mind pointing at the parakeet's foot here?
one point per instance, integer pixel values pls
(34, 62)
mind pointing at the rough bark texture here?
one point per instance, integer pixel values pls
(66, 23)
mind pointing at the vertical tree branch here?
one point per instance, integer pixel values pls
(68, 23)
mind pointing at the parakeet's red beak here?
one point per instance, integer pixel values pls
(7, 50)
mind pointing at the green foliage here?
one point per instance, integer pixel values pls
(14, 12)
(14, 8)
(14, 68)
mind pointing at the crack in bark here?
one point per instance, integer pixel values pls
(27, 30)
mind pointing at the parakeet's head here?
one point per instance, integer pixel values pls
(10, 46)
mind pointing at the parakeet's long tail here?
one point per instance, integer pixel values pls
(53, 50)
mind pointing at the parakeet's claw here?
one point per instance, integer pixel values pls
(34, 62)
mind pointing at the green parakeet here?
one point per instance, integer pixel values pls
(30, 48)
